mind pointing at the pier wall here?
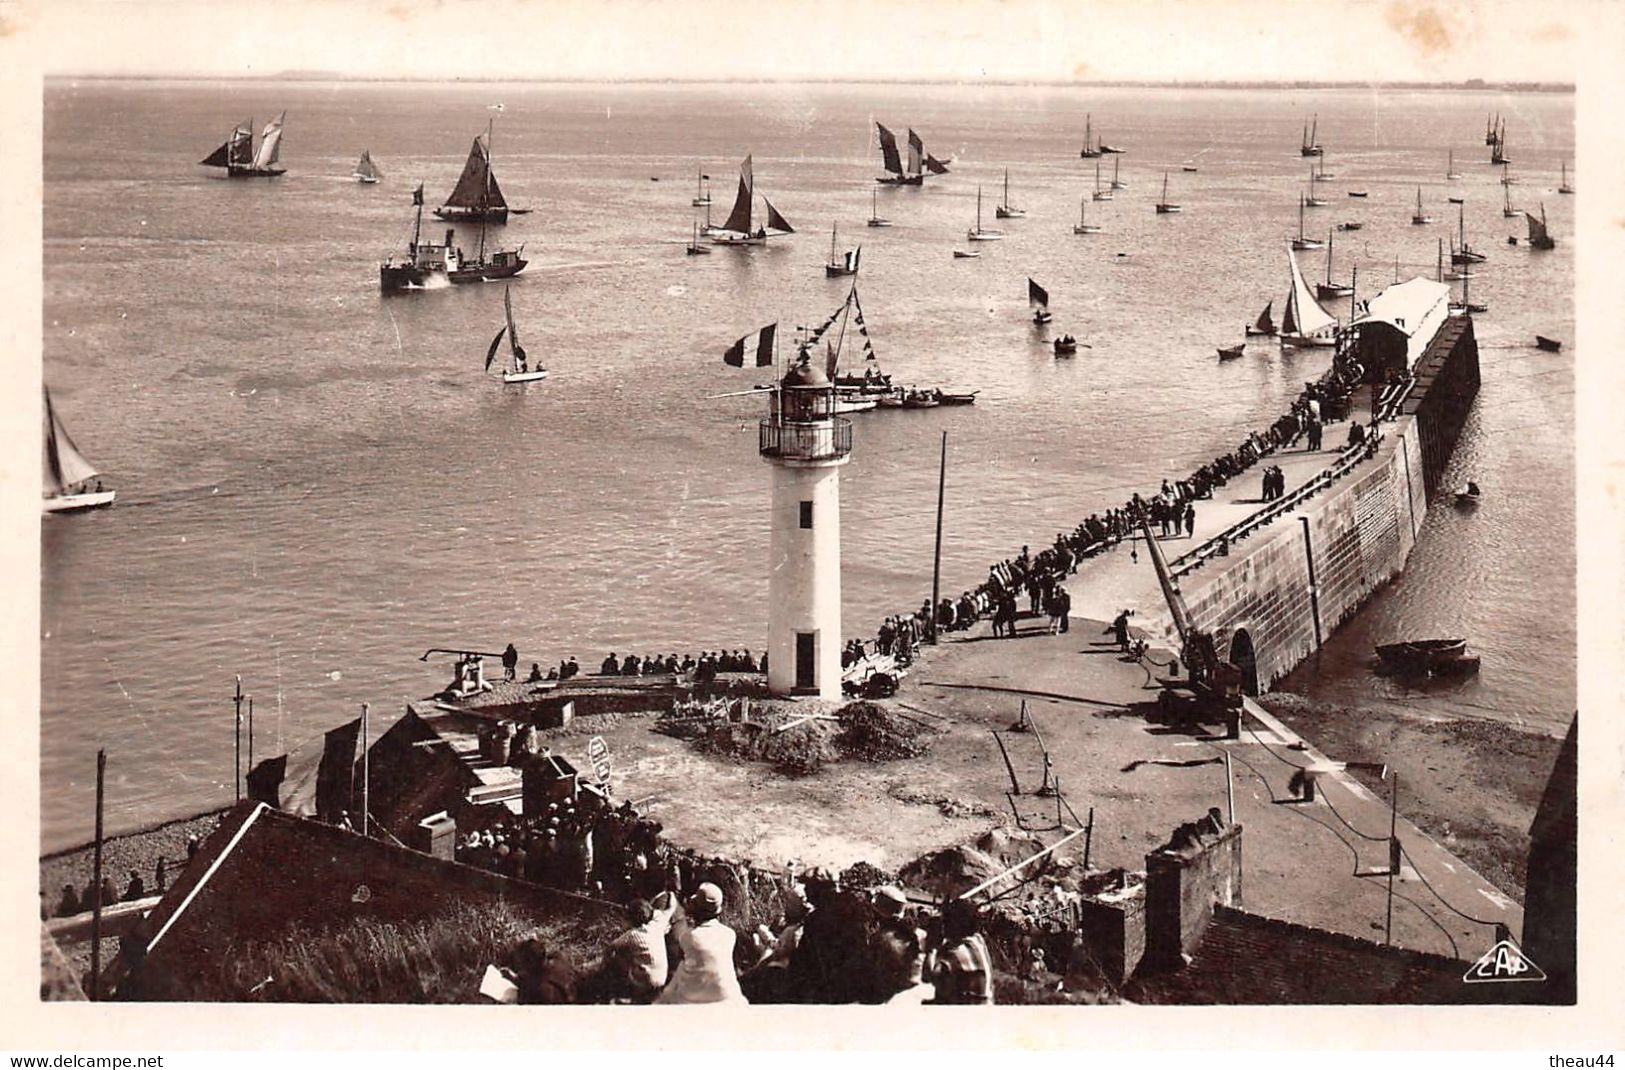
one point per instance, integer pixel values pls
(1276, 596)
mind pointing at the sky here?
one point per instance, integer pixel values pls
(966, 40)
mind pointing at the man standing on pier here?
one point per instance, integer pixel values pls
(510, 663)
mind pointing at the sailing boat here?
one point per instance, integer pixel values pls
(67, 473)
(1008, 210)
(240, 160)
(1498, 154)
(1329, 290)
(874, 219)
(1538, 237)
(1301, 242)
(1507, 211)
(1563, 185)
(1466, 254)
(1417, 218)
(1450, 172)
(694, 248)
(428, 262)
(853, 393)
(1038, 301)
(1454, 274)
(1090, 150)
(1165, 206)
(1319, 168)
(520, 370)
(1116, 182)
(1489, 129)
(1101, 194)
(1313, 201)
(846, 265)
(1305, 323)
(735, 230)
(976, 233)
(365, 171)
(476, 198)
(1265, 325)
(1311, 146)
(897, 175)
(702, 195)
(1083, 226)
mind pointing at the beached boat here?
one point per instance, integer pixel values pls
(1083, 226)
(1264, 327)
(1101, 193)
(366, 171)
(1563, 183)
(1539, 238)
(1329, 290)
(896, 173)
(68, 475)
(1008, 210)
(1311, 144)
(1302, 242)
(240, 159)
(1304, 323)
(736, 229)
(1418, 218)
(874, 219)
(1165, 206)
(1550, 345)
(520, 369)
(843, 265)
(428, 263)
(1232, 352)
(1117, 183)
(1038, 301)
(477, 197)
(976, 233)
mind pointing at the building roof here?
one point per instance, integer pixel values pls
(806, 375)
(1407, 306)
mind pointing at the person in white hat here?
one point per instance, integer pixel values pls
(706, 974)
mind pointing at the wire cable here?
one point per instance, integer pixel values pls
(1423, 878)
(1351, 828)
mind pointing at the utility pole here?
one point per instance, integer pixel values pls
(1229, 788)
(936, 560)
(366, 779)
(237, 756)
(96, 886)
(250, 733)
(1393, 859)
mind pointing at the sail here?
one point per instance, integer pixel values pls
(888, 151)
(935, 166)
(1537, 229)
(476, 186)
(1037, 296)
(775, 221)
(513, 332)
(64, 464)
(1264, 323)
(739, 218)
(491, 354)
(1302, 308)
(270, 143)
(234, 151)
(916, 151)
(364, 167)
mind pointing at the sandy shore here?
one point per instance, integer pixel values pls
(1472, 785)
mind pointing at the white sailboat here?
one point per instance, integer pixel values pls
(1083, 226)
(1301, 242)
(68, 474)
(1101, 194)
(874, 219)
(1418, 218)
(1563, 185)
(702, 194)
(1313, 200)
(1450, 172)
(1165, 206)
(1008, 210)
(1117, 183)
(976, 233)
(520, 369)
(1305, 324)
(365, 170)
(1507, 211)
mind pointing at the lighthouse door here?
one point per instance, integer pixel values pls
(806, 664)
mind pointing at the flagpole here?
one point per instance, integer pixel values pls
(936, 560)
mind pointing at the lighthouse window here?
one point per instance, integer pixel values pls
(806, 515)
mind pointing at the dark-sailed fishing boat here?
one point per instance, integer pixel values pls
(428, 263)
(896, 173)
(1265, 326)
(68, 474)
(736, 229)
(1538, 237)
(240, 159)
(477, 198)
(1038, 301)
(520, 369)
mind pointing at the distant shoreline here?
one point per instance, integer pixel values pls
(1472, 85)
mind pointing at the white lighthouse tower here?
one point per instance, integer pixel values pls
(806, 443)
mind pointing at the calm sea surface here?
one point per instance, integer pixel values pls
(317, 483)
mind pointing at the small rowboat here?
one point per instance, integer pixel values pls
(1358, 193)
(1468, 495)
(1066, 347)
(1421, 655)
(920, 399)
(1231, 352)
(959, 399)
(1350, 225)
(967, 254)
(1550, 345)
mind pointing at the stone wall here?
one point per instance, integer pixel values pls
(1199, 867)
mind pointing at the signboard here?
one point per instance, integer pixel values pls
(598, 754)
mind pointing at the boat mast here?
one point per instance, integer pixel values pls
(1328, 258)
